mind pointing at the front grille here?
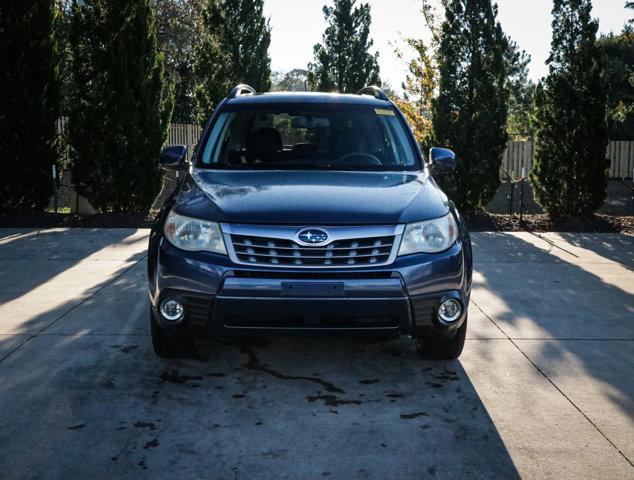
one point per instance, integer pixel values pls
(278, 321)
(340, 253)
(313, 275)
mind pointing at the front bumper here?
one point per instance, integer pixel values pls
(221, 297)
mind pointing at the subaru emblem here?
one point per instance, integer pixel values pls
(312, 236)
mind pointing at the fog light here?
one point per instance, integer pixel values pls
(171, 309)
(450, 310)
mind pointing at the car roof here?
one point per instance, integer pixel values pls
(308, 97)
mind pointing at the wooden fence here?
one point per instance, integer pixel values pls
(520, 154)
(621, 155)
(184, 134)
(178, 133)
(517, 155)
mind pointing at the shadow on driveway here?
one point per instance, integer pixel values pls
(32, 258)
(87, 398)
(105, 406)
(569, 306)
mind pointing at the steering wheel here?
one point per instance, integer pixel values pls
(362, 156)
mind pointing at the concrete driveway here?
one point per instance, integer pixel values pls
(544, 389)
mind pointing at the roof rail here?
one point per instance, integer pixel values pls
(241, 90)
(374, 91)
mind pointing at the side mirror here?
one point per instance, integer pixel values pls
(442, 159)
(174, 158)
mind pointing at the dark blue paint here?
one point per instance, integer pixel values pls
(311, 197)
(309, 98)
(420, 275)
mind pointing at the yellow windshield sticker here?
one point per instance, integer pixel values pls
(383, 111)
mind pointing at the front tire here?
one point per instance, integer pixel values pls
(442, 348)
(167, 346)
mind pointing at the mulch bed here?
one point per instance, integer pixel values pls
(489, 222)
(477, 222)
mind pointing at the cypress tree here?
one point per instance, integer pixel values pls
(121, 106)
(235, 49)
(29, 103)
(570, 173)
(470, 112)
(343, 61)
(179, 26)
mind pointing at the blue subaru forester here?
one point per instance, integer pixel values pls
(309, 213)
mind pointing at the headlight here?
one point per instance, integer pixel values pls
(430, 237)
(194, 234)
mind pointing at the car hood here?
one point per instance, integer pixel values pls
(311, 197)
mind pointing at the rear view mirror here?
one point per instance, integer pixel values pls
(309, 121)
(442, 159)
(174, 158)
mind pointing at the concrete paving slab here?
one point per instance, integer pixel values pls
(534, 290)
(480, 327)
(62, 277)
(545, 434)
(72, 243)
(558, 277)
(90, 390)
(496, 247)
(595, 247)
(176, 416)
(8, 343)
(521, 247)
(528, 316)
(27, 309)
(44, 274)
(285, 408)
(592, 375)
(120, 308)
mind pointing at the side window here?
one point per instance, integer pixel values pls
(217, 138)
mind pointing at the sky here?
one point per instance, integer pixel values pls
(298, 24)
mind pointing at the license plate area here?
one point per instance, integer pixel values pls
(313, 289)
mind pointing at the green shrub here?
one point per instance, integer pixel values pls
(470, 113)
(29, 103)
(570, 173)
(121, 104)
(343, 61)
(235, 49)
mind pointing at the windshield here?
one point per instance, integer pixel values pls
(314, 137)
